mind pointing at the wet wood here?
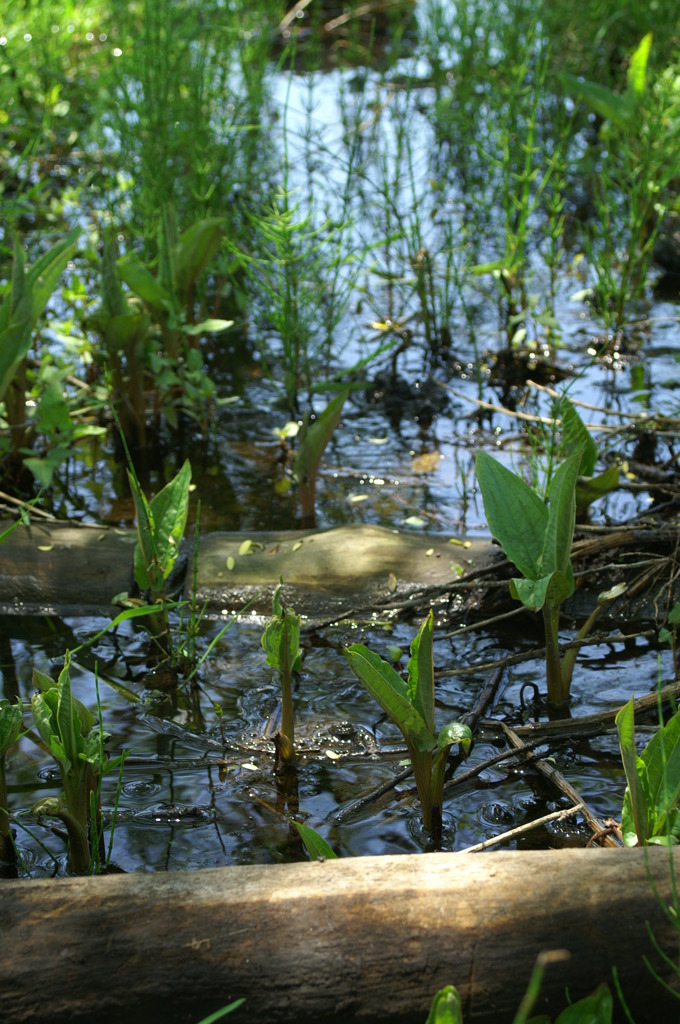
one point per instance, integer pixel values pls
(78, 568)
(367, 939)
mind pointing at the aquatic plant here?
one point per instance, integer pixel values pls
(160, 528)
(29, 293)
(316, 846)
(670, 635)
(537, 539)
(68, 730)
(641, 128)
(650, 813)
(312, 441)
(281, 643)
(10, 727)
(410, 705)
(176, 367)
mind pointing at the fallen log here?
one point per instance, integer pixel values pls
(71, 569)
(370, 939)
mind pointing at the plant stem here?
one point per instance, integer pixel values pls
(7, 851)
(558, 688)
(78, 845)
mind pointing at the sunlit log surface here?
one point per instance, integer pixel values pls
(366, 939)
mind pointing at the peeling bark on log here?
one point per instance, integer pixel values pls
(369, 939)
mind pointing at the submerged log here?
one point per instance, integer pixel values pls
(79, 569)
(370, 939)
(64, 569)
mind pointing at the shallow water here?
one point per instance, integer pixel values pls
(198, 790)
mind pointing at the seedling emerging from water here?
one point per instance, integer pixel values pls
(537, 539)
(20, 309)
(410, 705)
(281, 642)
(160, 527)
(312, 442)
(67, 728)
(650, 811)
(10, 727)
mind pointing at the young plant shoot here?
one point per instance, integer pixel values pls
(160, 527)
(281, 643)
(67, 729)
(537, 539)
(650, 813)
(410, 705)
(10, 727)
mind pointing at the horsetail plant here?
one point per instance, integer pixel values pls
(281, 643)
(410, 705)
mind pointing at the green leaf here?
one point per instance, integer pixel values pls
(387, 687)
(149, 289)
(10, 724)
(313, 439)
(532, 593)
(516, 515)
(597, 1008)
(29, 294)
(420, 670)
(208, 327)
(194, 251)
(43, 276)
(589, 489)
(662, 760)
(637, 71)
(455, 732)
(559, 532)
(316, 845)
(610, 106)
(160, 528)
(576, 437)
(636, 804)
(446, 1007)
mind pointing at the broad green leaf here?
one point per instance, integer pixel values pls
(589, 489)
(10, 724)
(120, 332)
(559, 532)
(420, 670)
(455, 732)
(314, 438)
(635, 806)
(637, 70)
(281, 640)
(387, 687)
(149, 289)
(316, 845)
(147, 571)
(43, 276)
(576, 437)
(532, 593)
(516, 515)
(662, 759)
(160, 528)
(68, 721)
(208, 327)
(612, 107)
(194, 251)
(29, 293)
(446, 1007)
(597, 1008)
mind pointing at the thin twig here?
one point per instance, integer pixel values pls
(566, 812)
(557, 779)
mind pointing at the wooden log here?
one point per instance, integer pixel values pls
(369, 939)
(79, 569)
